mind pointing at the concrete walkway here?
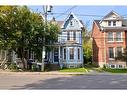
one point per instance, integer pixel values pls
(92, 72)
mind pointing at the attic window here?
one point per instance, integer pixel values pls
(109, 23)
(114, 23)
(71, 23)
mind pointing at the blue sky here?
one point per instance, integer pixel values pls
(82, 11)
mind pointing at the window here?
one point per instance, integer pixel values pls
(120, 66)
(74, 35)
(109, 23)
(118, 36)
(110, 36)
(111, 52)
(68, 35)
(114, 23)
(112, 66)
(118, 51)
(71, 23)
(64, 53)
(71, 53)
(78, 53)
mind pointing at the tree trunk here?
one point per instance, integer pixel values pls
(23, 59)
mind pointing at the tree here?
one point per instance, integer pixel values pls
(87, 45)
(122, 56)
(21, 29)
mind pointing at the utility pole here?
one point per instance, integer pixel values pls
(46, 9)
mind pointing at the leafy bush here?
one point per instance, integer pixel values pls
(13, 66)
(104, 66)
(34, 67)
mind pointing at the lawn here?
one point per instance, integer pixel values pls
(116, 70)
(74, 70)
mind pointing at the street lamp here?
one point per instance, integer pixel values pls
(47, 9)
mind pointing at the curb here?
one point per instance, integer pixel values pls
(40, 73)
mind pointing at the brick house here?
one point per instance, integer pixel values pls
(109, 40)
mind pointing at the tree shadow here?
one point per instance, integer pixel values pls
(78, 82)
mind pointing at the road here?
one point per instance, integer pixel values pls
(38, 81)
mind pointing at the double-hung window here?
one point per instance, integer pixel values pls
(78, 53)
(71, 53)
(64, 53)
(110, 36)
(68, 35)
(109, 23)
(74, 35)
(118, 51)
(111, 52)
(114, 23)
(118, 36)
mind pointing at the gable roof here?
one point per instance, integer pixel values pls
(71, 14)
(110, 13)
(124, 26)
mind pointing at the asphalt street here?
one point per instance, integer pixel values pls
(38, 81)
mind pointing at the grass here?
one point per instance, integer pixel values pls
(74, 70)
(116, 70)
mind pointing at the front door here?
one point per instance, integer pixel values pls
(56, 54)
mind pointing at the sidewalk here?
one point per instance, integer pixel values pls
(61, 73)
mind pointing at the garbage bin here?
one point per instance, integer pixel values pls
(39, 66)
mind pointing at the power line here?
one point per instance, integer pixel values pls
(92, 15)
(81, 14)
(66, 11)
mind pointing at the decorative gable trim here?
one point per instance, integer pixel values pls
(69, 17)
(112, 12)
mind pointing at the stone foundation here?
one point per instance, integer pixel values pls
(73, 65)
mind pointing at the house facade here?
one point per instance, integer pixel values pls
(68, 51)
(109, 37)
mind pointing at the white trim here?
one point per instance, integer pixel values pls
(113, 52)
(68, 18)
(121, 37)
(113, 37)
(53, 56)
(110, 14)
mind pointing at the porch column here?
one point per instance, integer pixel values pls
(59, 56)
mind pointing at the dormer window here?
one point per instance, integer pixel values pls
(109, 23)
(114, 23)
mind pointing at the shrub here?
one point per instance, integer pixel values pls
(13, 66)
(34, 67)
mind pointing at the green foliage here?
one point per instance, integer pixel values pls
(13, 66)
(74, 70)
(34, 67)
(115, 70)
(87, 46)
(21, 29)
(122, 56)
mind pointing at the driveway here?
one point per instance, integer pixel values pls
(38, 81)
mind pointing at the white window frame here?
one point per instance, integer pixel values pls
(113, 37)
(70, 53)
(112, 23)
(113, 52)
(121, 37)
(78, 53)
(64, 53)
(116, 50)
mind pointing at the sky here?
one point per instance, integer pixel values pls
(85, 13)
